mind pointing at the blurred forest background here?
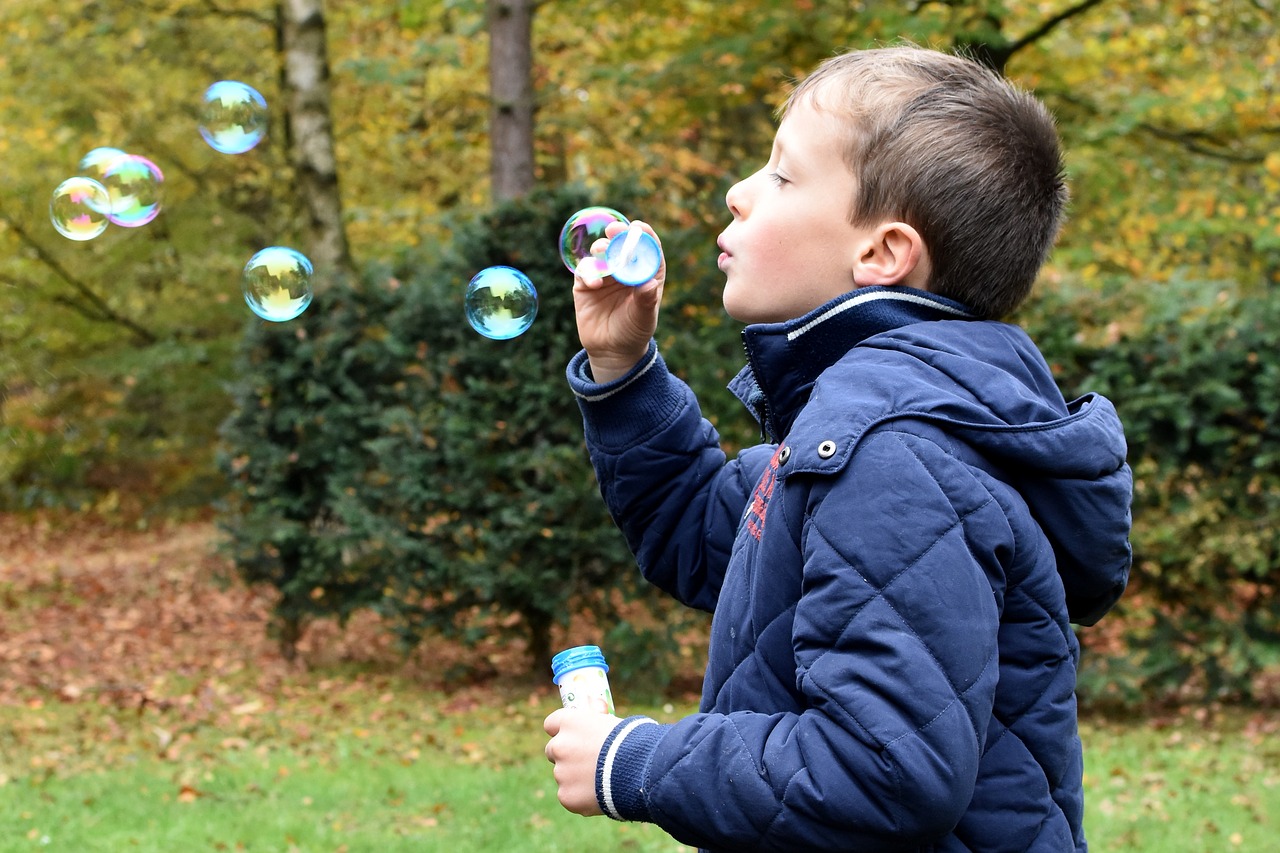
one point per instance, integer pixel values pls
(377, 454)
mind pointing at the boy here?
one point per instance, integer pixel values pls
(891, 663)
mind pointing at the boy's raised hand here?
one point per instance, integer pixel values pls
(615, 322)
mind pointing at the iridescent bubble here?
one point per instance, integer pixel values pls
(501, 302)
(233, 117)
(277, 283)
(582, 231)
(95, 163)
(633, 256)
(133, 182)
(78, 208)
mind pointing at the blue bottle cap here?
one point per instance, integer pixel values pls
(576, 658)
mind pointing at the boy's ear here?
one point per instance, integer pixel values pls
(893, 253)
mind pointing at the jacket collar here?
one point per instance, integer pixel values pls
(785, 359)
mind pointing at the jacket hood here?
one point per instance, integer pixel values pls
(983, 382)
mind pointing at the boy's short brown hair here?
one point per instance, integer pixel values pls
(958, 152)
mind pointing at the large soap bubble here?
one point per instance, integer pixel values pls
(581, 237)
(501, 302)
(233, 117)
(277, 283)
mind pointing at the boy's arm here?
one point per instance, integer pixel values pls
(897, 663)
(663, 475)
(659, 463)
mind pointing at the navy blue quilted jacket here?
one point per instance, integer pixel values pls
(891, 662)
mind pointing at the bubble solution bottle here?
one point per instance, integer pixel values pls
(580, 673)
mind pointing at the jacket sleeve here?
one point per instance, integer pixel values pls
(664, 477)
(895, 651)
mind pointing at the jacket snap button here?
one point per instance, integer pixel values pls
(784, 455)
(827, 449)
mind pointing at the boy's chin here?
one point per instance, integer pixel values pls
(737, 307)
(747, 313)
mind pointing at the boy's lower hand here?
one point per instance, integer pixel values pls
(615, 322)
(576, 739)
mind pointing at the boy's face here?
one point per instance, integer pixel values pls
(790, 247)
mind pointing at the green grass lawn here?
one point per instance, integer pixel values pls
(1191, 785)
(362, 763)
(372, 771)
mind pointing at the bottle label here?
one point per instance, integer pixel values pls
(588, 689)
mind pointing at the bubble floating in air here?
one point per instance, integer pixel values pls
(501, 302)
(233, 117)
(133, 182)
(277, 283)
(95, 163)
(581, 234)
(79, 208)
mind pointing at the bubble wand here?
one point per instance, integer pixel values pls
(633, 257)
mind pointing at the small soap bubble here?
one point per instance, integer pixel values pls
(633, 257)
(277, 283)
(79, 207)
(133, 182)
(501, 302)
(233, 117)
(582, 231)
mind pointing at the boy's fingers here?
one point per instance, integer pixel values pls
(551, 725)
(588, 273)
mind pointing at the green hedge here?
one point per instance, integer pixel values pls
(383, 455)
(1194, 370)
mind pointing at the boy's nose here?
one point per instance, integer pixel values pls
(735, 198)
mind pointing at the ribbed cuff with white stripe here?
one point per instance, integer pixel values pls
(623, 767)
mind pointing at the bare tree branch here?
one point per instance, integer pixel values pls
(1202, 143)
(89, 301)
(1051, 24)
(208, 8)
(995, 52)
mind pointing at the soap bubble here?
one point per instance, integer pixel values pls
(581, 232)
(633, 256)
(94, 164)
(277, 283)
(233, 117)
(501, 302)
(78, 208)
(133, 182)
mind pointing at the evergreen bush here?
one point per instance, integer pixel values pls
(1192, 369)
(384, 455)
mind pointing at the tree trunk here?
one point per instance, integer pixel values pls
(311, 149)
(511, 97)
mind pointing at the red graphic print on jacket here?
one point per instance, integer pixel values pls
(754, 516)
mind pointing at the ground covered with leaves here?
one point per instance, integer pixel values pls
(157, 618)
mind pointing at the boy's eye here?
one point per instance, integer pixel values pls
(777, 179)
